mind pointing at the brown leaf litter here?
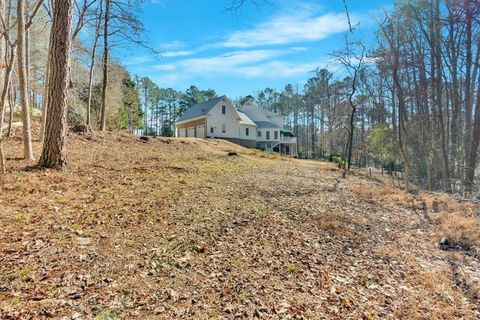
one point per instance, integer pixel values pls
(175, 228)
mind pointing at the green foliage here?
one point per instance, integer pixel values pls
(22, 217)
(124, 109)
(101, 314)
(242, 298)
(338, 159)
(382, 146)
(292, 268)
(130, 112)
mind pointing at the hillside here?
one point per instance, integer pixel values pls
(171, 228)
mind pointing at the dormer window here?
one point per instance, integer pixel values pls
(224, 109)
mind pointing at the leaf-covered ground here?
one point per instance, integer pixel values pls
(174, 228)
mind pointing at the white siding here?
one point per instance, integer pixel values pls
(181, 133)
(272, 134)
(252, 132)
(191, 132)
(230, 119)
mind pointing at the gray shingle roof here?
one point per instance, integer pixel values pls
(201, 109)
(269, 113)
(245, 119)
(265, 124)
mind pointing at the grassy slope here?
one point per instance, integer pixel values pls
(177, 229)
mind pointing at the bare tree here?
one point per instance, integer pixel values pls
(92, 63)
(352, 59)
(103, 114)
(22, 79)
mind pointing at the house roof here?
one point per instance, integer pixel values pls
(287, 133)
(245, 119)
(200, 109)
(269, 113)
(265, 124)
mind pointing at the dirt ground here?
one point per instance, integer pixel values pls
(177, 229)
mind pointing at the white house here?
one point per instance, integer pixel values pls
(249, 126)
(271, 135)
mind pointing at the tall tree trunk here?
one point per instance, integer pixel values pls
(103, 121)
(92, 65)
(475, 141)
(10, 60)
(145, 95)
(45, 100)
(12, 98)
(455, 127)
(468, 100)
(45, 90)
(54, 147)
(22, 79)
(438, 95)
(350, 135)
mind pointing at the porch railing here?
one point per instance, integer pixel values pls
(288, 139)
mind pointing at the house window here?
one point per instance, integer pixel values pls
(259, 133)
(211, 129)
(223, 110)
(275, 135)
(247, 131)
(224, 128)
(267, 135)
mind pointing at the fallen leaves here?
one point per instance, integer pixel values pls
(178, 229)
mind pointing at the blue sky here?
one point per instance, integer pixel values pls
(238, 53)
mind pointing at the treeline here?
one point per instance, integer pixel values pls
(163, 106)
(411, 102)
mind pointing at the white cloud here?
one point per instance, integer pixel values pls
(288, 33)
(230, 61)
(299, 48)
(247, 64)
(227, 62)
(293, 27)
(179, 53)
(165, 67)
(172, 45)
(278, 69)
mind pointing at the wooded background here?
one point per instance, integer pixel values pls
(410, 102)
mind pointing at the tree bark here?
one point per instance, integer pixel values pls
(468, 103)
(103, 122)
(45, 101)
(22, 79)
(438, 101)
(92, 65)
(11, 58)
(475, 141)
(12, 98)
(55, 142)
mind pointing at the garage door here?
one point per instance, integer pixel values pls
(201, 131)
(191, 132)
(181, 133)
